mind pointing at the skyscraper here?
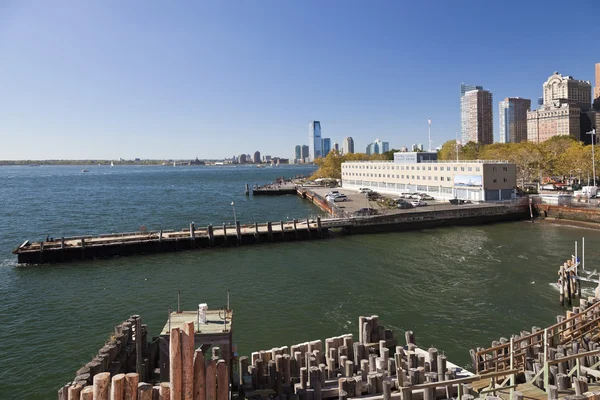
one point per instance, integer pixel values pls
(257, 157)
(513, 119)
(326, 146)
(377, 147)
(463, 117)
(314, 140)
(298, 153)
(477, 117)
(597, 89)
(336, 147)
(305, 152)
(348, 145)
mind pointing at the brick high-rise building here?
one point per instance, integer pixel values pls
(513, 119)
(477, 117)
(565, 99)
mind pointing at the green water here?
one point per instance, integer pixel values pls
(456, 288)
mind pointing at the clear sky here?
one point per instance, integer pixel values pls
(180, 79)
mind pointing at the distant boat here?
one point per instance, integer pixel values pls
(85, 170)
(112, 164)
(174, 164)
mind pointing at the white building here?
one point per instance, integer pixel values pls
(476, 180)
(348, 145)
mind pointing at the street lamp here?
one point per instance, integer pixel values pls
(593, 133)
(234, 218)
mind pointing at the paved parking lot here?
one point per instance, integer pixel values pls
(357, 200)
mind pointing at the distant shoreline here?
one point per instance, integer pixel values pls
(37, 163)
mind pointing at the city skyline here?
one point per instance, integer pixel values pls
(118, 84)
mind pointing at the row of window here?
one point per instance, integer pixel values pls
(418, 177)
(412, 167)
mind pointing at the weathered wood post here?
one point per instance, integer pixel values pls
(187, 360)
(222, 381)
(137, 338)
(211, 234)
(319, 229)
(62, 248)
(224, 234)
(131, 385)
(295, 228)
(211, 380)
(282, 230)
(41, 252)
(144, 391)
(308, 227)
(101, 386)
(175, 364)
(568, 281)
(164, 392)
(199, 376)
(82, 248)
(74, 392)
(117, 389)
(87, 393)
(247, 190)
(270, 231)
(238, 232)
(256, 234)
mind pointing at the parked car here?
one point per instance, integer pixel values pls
(364, 190)
(340, 197)
(333, 192)
(425, 196)
(365, 211)
(372, 195)
(418, 203)
(405, 205)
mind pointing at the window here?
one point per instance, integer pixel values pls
(505, 169)
(435, 168)
(495, 180)
(456, 168)
(418, 177)
(418, 168)
(477, 169)
(505, 180)
(494, 169)
(402, 176)
(429, 178)
(428, 168)
(462, 168)
(435, 178)
(470, 169)
(412, 168)
(413, 177)
(447, 168)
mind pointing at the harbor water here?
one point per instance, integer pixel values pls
(455, 287)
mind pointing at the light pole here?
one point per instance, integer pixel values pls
(234, 217)
(593, 133)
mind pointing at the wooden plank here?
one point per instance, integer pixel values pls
(187, 357)
(211, 380)
(175, 364)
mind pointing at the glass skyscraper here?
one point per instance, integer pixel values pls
(513, 119)
(314, 140)
(326, 146)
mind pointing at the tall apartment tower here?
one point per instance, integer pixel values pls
(314, 141)
(298, 153)
(513, 119)
(597, 89)
(305, 152)
(477, 117)
(464, 88)
(326, 146)
(348, 145)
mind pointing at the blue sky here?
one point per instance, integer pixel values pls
(181, 79)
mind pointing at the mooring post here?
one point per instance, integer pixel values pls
(41, 252)
(82, 248)
(270, 231)
(282, 231)
(224, 234)
(319, 226)
(295, 228)
(247, 190)
(211, 234)
(138, 344)
(256, 235)
(193, 234)
(160, 236)
(238, 231)
(568, 281)
(62, 248)
(308, 226)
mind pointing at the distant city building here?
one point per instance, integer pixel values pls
(336, 147)
(348, 145)
(378, 147)
(540, 101)
(267, 158)
(420, 146)
(565, 99)
(248, 158)
(404, 149)
(326, 146)
(298, 153)
(414, 147)
(513, 119)
(314, 141)
(597, 90)
(305, 153)
(242, 159)
(463, 117)
(257, 157)
(477, 123)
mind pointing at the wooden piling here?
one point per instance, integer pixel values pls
(87, 393)
(193, 234)
(117, 389)
(187, 360)
(256, 234)
(211, 381)
(74, 392)
(144, 391)
(131, 384)
(164, 391)
(222, 381)
(238, 232)
(247, 190)
(270, 231)
(175, 373)
(296, 228)
(224, 236)
(211, 234)
(199, 376)
(319, 230)
(282, 230)
(101, 386)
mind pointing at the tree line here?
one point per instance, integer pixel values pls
(561, 157)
